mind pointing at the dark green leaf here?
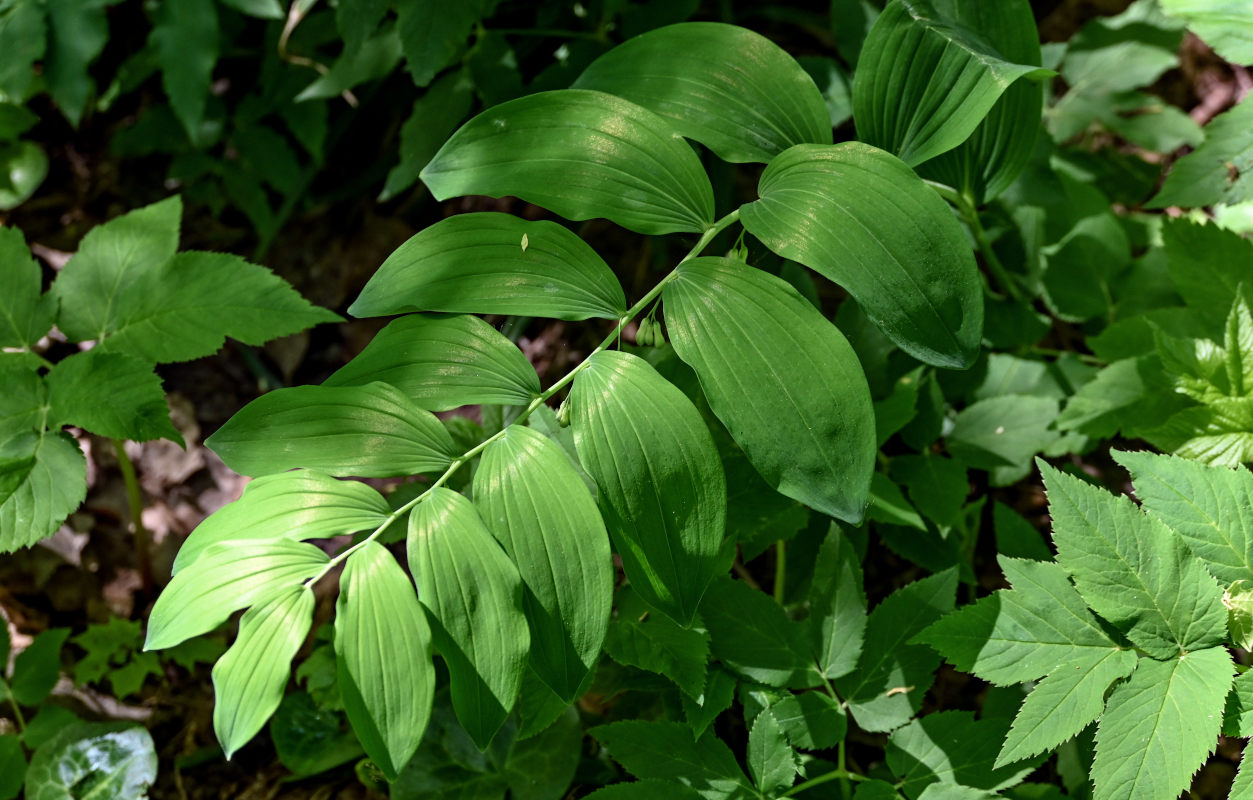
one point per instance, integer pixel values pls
(542, 767)
(375, 60)
(811, 720)
(837, 606)
(1003, 431)
(79, 32)
(1207, 264)
(937, 485)
(432, 32)
(23, 167)
(436, 114)
(12, 766)
(752, 636)
(1220, 170)
(185, 38)
(109, 394)
(25, 313)
(357, 19)
(310, 739)
(717, 697)
(36, 668)
(952, 747)
(656, 643)
(666, 751)
(118, 761)
(23, 40)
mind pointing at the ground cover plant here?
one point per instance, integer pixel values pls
(754, 417)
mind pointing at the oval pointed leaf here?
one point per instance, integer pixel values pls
(228, 577)
(443, 362)
(809, 432)
(898, 249)
(299, 505)
(383, 644)
(924, 82)
(26, 313)
(248, 681)
(491, 263)
(371, 431)
(662, 489)
(474, 596)
(581, 154)
(536, 505)
(731, 89)
(39, 487)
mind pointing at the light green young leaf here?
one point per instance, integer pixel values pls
(1219, 433)
(1220, 170)
(580, 154)
(667, 751)
(473, 595)
(117, 760)
(1238, 599)
(432, 33)
(383, 647)
(477, 264)
(752, 636)
(952, 747)
(436, 114)
(42, 480)
(441, 363)
(1242, 787)
(731, 89)
(925, 82)
(185, 38)
(1123, 52)
(227, 577)
(771, 760)
(898, 250)
(109, 394)
(662, 489)
(372, 431)
(1133, 570)
(656, 643)
(248, 681)
(1159, 726)
(25, 313)
(837, 606)
(539, 509)
(301, 504)
(810, 433)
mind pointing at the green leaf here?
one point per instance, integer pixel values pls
(102, 641)
(717, 697)
(310, 739)
(432, 33)
(227, 577)
(357, 19)
(23, 39)
(645, 790)
(662, 489)
(580, 154)
(656, 643)
(925, 82)
(731, 89)
(111, 258)
(135, 407)
(1003, 431)
(1238, 599)
(384, 648)
(436, 114)
(36, 668)
(771, 760)
(1016, 537)
(372, 431)
(810, 433)
(248, 681)
(185, 39)
(188, 306)
(1133, 570)
(752, 636)
(25, 313)
(48, 722)
(952, 747)
(376, 59)
(875, 790)
(811, 720)
(543, 767)
(441, 363)
(892, 677)
(1238, 715)
(666, 751)
(1159, 726)
(491, 263)
(39, 488)
(889, 506)
(23, 167)
(96, 760)
(473, 595)
(12, 766)
(262, 9)
(1220, 170)
(302, 504)
(1225, 25)
(79, 33)
(898, 250)
(1207, 264)
(936, 485)
(837, 606)
(539, 509)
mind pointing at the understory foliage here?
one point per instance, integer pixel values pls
(585, 554)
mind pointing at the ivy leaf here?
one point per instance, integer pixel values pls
(656, 643)
(898, 250)
(666, 751)
(809, 433)
(837, 606)
(1159, 726)
(432, 33)
(185, 39)
(25, 313)
(1220, 170)
(952, 747)
(372, 431)
(731, 89)
(42, 480)
(442, 363)
(135, 409)
(752, 636)
(580, 154)
(115, 759)
(771, 759)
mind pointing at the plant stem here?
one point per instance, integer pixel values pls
(826, 777)
(970, 212)
(632, 312)
(135, 500)
(780, 570)
(17, 711)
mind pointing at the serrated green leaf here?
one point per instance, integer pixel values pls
(717, 697)
(184, 39)
(771, 759)
(1003, 431)
(1242, 787)
(1238, 599)
(952, 747)
(227, 577)
(473, 595)
(1159, 726)
(442, 363)
(1133, 570)
(543, 767)
(809, 433)
(109, 394)
(662, 489)
(41, 482)
(372, 431)
(432, 33)
(117, 636)
(301, 504)
(383, 644)
(752, 636)
(936, 485)
(25, 313)
(580, 154)
(478, 264)
(666, 751)
(811, 720)
(837, 606)
(37, 668)
(1238, 714)
(898, 250)
(538, 508)
(1220, 170)
(248, 681)
(1225, 25)
(1219, 433)
(656, 643)
(731, 89)
(1207, 263)
(875, 790)
(116, 760)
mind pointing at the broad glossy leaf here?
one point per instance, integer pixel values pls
(1225, 25)
(372, 431)
(1159, 726)
(227, 577)
(1133, 570)
(492, 263)
(185, 40)
(1220, 170)
(898, 250)
(117, 760)
(109, 394)
(662, 490)
(539, 509)
(25, 313)
(667, 751)
(837, 606)
(811, 432)
(474, 597)
(952, 747)
(40, 484)
(442, 363)
(248, 681)
(731, 89)
(301, 504)
(383, 644)
(656, 643)
(581, 154)
(925, 82)
(752, 636)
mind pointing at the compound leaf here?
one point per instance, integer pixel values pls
(752, 636)
(185, 37)
(110, 394)
(39, 488)
(25, 313)
(658, 644)
(952, 747)
(1220, 170)
(771, 759)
